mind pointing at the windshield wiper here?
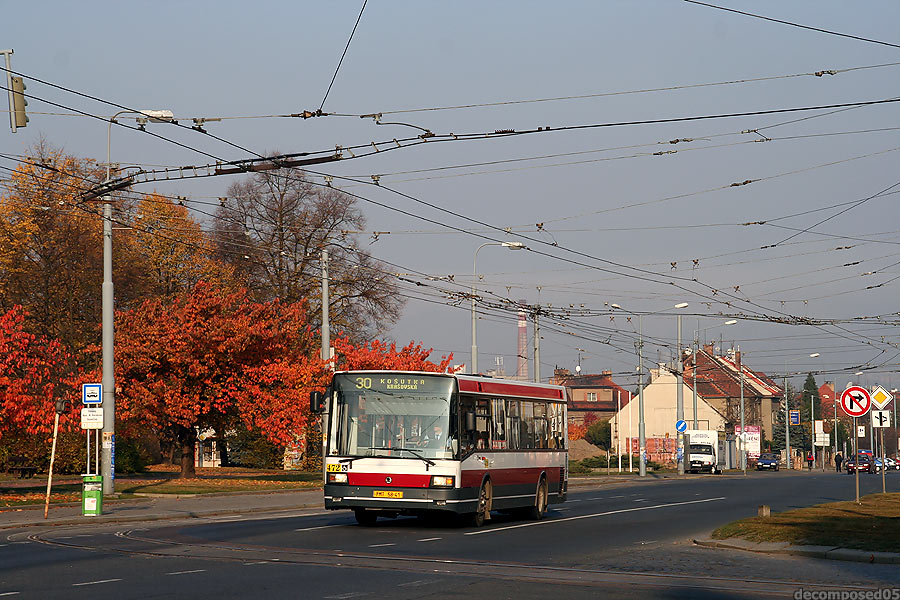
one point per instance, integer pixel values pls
(429, 463)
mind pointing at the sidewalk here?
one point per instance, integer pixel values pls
(168, 506)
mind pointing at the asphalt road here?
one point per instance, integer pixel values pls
(623, 541)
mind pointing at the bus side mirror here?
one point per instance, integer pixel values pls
(316, 402)
(470, 421)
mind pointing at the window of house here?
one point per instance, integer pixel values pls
(591, 396)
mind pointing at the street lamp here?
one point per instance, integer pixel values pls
(787, 404)
(642, 437)
(107, 469)
(511, 246)
(696, 351)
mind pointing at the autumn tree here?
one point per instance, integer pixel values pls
(34, 373)
(50, 262)
(272, 227)
(384, 355)
(213, 359)
(173, 249)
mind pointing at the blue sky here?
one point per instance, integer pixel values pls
(600, 193)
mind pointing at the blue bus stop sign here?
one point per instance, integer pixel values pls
(680, 425)
(795, 417)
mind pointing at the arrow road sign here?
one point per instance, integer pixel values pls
(881, 418)
(856, 401)
(680, 425)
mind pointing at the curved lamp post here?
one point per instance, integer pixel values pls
(511, 246)
(107, 469)
(642, 437)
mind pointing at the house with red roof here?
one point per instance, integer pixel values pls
(595, 395)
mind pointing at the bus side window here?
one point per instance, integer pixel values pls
(498, 424)
(540, 425)
(513, 425)
(526, 436)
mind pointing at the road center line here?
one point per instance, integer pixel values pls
(319, 527)
(380, 545)
(429, 539)
(9, 593)
(95, 582)
(603, 514)
(187, 572)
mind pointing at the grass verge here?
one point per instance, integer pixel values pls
(159, 480)
(872, 525)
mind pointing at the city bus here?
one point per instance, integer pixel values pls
(417, 443)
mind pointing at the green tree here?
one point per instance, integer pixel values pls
(600, 434)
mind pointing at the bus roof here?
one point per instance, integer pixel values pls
(490, 386)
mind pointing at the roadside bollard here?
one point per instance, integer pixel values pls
(764, 510)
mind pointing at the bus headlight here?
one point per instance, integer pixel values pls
(337, 478)
(441, 481)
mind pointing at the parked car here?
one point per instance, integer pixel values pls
(862, 463)
(767, 460)
(886, 463)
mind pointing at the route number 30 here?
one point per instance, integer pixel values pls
(363, 383)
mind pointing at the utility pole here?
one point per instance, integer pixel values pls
(9, 89)
(326, 332)
(642, 440)
(787, 421)
(537, 345)
(743, 426)
(679, 399)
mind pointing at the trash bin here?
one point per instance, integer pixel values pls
(92, 495)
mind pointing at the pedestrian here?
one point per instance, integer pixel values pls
(838, 459)
(809, 460)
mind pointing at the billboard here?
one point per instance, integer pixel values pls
(753, 439)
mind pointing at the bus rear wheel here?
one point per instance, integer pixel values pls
(483, 511)
(365, 517)
(539, 509)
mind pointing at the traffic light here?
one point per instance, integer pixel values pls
(62, 405)
(19, 102)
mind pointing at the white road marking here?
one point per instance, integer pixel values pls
(561, 509)
(380, 545)
(347, 595)
(9, 593)
(187, 572)
(640, 500)
(429, 539)
(572, 500)
(95, 582)
(598, 498)
(616, 497)
(319, 527)
(603, 514)
(417, 583)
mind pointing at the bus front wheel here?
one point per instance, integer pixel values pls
(483, 511)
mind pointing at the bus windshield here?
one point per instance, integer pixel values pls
(392, 415)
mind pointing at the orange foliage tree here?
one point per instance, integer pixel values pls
(212, 359)
(383, 355)
(34, 373)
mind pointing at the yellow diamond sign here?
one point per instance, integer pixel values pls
(880, 397)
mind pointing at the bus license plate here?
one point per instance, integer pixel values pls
(387, 494)
(333, 468)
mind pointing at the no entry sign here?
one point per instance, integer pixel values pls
(856, 401)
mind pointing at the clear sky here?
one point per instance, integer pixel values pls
(626, 216)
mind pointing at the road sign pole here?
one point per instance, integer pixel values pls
(856, 457)
(883, 464)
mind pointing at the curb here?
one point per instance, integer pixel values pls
(110, 519)
(823, 552)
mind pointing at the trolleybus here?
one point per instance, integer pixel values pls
(419, 443)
